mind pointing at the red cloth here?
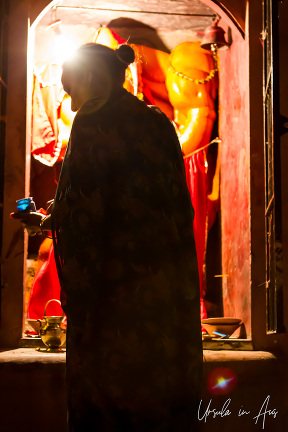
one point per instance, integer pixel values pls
(196, 178)
(45, 287)
(44, 144)
(118, 38)
(148, 98)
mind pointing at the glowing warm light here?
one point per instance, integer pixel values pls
(194, 115)
(221, 381)
(64, 48)
(176, 88)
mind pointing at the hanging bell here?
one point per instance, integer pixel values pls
(214, 37)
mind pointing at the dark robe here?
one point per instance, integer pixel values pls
(124, 244)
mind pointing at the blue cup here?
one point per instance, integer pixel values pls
(26, 205)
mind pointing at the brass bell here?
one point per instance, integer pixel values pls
(214, 38)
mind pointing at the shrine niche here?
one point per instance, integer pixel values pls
(171, 71)
(164, 37)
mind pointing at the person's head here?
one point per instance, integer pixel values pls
(95, 71)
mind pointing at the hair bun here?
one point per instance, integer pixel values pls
(125, 54)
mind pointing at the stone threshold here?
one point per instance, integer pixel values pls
(31, 355)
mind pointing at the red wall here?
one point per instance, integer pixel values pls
(235, 178)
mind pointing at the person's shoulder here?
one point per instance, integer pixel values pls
(131, 106)
(130, 100)
(160, 116)
(155, 109)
